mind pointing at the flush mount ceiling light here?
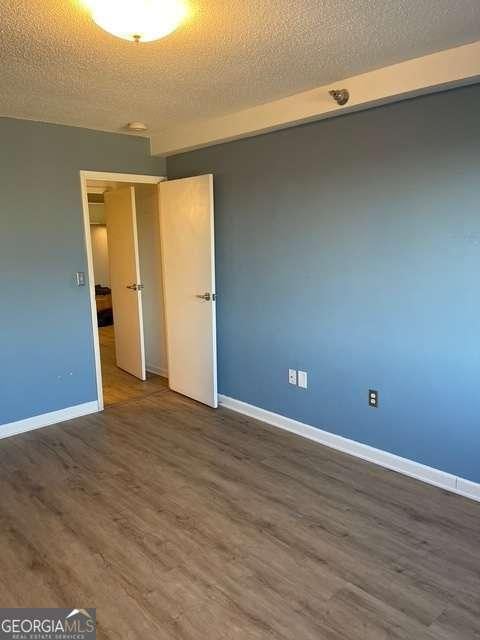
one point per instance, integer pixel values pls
(138, 20)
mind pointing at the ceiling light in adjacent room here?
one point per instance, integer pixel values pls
(138, 20)
(137, 126)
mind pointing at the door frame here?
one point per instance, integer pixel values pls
(110, 177)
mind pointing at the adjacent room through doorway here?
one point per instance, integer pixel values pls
(117, 307)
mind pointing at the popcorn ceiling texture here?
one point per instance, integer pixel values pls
(57, 66)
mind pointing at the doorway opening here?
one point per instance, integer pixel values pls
(131, 335)
(151, 271)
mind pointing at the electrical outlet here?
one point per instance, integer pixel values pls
(302, 379)
(373, 398)
(292, 376)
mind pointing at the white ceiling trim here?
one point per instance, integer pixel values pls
(445, 69)
(98, 191)
(120, 177)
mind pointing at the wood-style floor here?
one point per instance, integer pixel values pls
(118, 385)
(180, 522)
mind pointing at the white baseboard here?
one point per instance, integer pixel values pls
(47, 419)
(468, 489)
(390, 461)
(158, 371)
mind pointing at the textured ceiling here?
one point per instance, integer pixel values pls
(56, 65)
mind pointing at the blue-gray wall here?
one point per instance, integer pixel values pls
(46, 350)
(350, 248)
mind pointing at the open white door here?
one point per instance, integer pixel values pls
(187, 235)
(125, 280)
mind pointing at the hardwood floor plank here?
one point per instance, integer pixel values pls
(119, 386)
(179, 521)
(456, 624)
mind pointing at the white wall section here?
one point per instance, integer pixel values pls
(97, 212)
(101, 266)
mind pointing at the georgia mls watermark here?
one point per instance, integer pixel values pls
(48, 624)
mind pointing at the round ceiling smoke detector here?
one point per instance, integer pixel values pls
(137, 126)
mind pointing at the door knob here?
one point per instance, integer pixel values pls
(135, 287)
(206, 296)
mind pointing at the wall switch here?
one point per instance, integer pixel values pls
(373, 398)
(80, 278)
(292, 376)
(302, 379)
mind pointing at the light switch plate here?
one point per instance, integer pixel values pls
(303, 379)
(80, 278)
